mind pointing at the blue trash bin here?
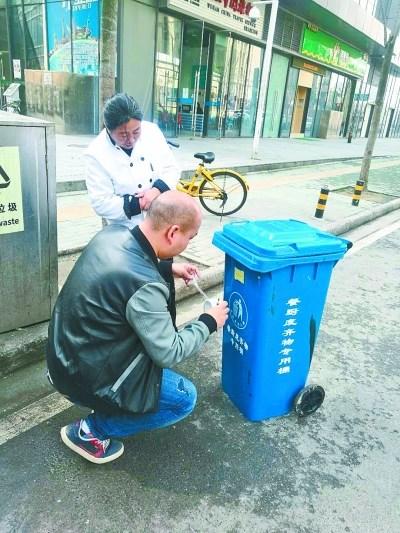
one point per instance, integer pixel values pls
(277, 275)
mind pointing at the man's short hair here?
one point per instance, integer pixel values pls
(162, 212)
(119, 109)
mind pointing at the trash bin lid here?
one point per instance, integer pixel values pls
(266, 245)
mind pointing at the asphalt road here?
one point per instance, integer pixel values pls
(335, 471)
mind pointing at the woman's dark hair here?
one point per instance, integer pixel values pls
(119, 109)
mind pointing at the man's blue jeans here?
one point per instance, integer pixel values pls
(177, 400)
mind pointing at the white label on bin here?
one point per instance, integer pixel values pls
(238, 310)
(284, 370)
(238, 343)
(11, 209)
(288, 336)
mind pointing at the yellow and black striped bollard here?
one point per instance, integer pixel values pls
(323, 198)
(358, 189)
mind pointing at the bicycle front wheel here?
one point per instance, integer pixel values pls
(225, 194)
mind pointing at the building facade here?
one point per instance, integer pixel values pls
(195, 65)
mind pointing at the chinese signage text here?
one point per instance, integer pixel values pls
(329, 50)
(229, 14)
(288, 336)
(11, 209)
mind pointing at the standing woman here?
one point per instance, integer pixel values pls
(128, 164)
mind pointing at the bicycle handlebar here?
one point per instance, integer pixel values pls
(172, 143)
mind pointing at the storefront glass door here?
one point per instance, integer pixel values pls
(312, 105)
(276, 84)
(288, 104)
(234, 82)
(219, 79)
(251, 92)
(168, 52)
(234, 106)
(206, 82)
(193, 79)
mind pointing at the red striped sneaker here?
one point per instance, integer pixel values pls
(85, 444)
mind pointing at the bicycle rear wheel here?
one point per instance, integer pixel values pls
(225, 194)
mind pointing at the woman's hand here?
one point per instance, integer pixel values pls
(185, 271)
(146, 197)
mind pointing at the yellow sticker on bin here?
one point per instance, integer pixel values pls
(239, 275)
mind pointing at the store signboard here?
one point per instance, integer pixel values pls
(310, 67)
(331, 51)
(226, 14)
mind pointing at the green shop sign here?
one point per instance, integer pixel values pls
(329, 50)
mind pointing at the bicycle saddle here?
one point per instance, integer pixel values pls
(206, 157)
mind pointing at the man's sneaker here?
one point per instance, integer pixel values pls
(92, 449)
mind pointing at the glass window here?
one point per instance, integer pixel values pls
(5, 71)
(346, 95)
(323, 93)
(59, 43)
(288, 104)
(17, 34)
(85, 23)
(251, 92)
(337, 103)
(34, 36)
(234, 106)
(193, 78)
(360, 99)
(218, 84)
(396, 118)
(80, 53)
(312, 105)
(275, 95)
(331, 91)
(168, 50)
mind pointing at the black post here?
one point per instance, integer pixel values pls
(323, 198)
(357, 192)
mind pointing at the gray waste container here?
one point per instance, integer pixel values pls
(28, 225)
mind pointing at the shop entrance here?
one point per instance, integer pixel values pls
(226, 94)
(217, 96)
(212, 84)
(206, 81)
(225, 86)
(193, 79)
(300, 111)
(231, 97)
(302, 101)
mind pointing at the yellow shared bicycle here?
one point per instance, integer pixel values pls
(221, 191)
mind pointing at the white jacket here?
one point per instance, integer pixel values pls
(111, 173)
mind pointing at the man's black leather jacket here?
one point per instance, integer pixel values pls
(111, 331)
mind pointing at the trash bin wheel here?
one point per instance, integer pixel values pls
(309, 400)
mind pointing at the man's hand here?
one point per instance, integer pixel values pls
(146, 197)
(220, 313)
(186, 271)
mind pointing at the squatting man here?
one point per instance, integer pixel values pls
(112, 338)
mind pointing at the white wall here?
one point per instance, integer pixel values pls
(353, 14)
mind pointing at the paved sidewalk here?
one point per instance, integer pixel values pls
(289, 193)
(233, 153)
